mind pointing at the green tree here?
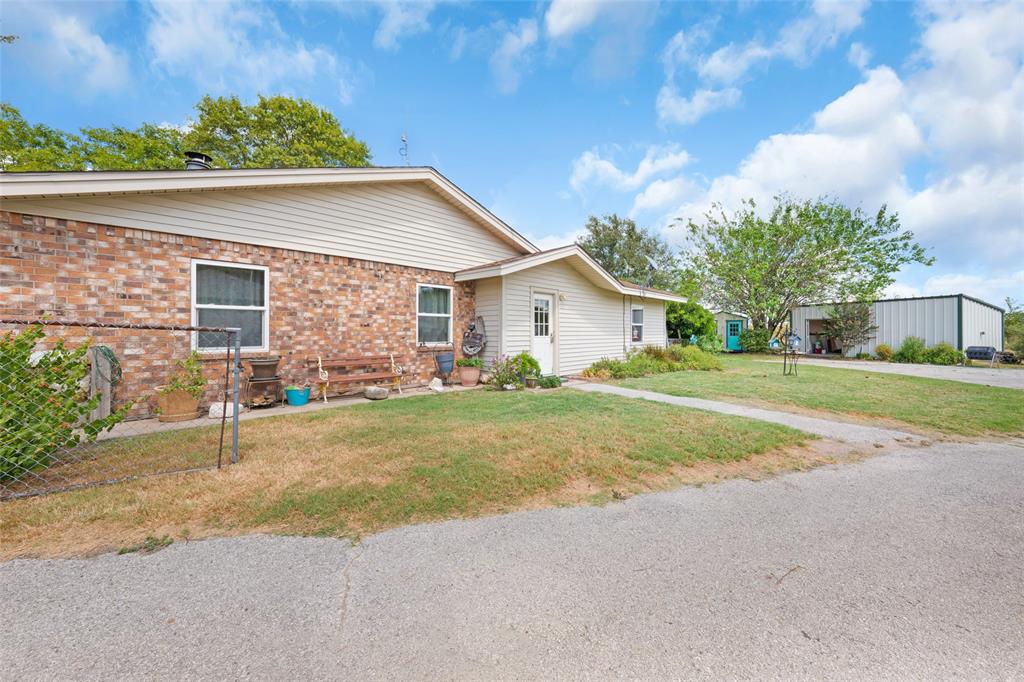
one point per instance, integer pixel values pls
(802, 252)
(632, 252)
(849, 324)
(686, 319)
(275, 132)
(149, 147)
(1013, 327)
(28, 147)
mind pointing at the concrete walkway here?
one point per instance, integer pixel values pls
(1004, 378)
(902, 566)
(842, 431)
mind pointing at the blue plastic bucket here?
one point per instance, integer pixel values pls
(445, 362)
(297, 397)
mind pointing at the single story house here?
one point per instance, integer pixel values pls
(956, 319)
(730, 326)
(308, 261)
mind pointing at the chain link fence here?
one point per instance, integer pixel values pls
(88, 403)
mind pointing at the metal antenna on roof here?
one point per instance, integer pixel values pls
(404, 149)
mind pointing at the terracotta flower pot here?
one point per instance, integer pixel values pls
(531, 382)
(176, 406)
(469, 376)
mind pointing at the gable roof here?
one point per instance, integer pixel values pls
(578, 258)
(19, 185)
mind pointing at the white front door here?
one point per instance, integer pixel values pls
(542, 344)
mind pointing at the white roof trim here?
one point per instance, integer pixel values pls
(92, 183)
(503, 268)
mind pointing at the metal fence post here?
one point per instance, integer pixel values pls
(237, 336)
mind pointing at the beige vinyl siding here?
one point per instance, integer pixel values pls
(589, 322)
(982, 325)
(488, 306)
(401, 223)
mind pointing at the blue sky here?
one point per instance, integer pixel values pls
(549, 112)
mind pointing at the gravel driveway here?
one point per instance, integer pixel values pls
(1006, 378)
(906, 565)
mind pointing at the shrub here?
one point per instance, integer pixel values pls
(911, 350)
(710, 343)
(883, 351)
(693, 358)
(505, 375)
(653, 360)
(469, 362)
(550, 382)
(526, 365)
(659, 353)
(44, 407)
(755, 340)
(863, 356)
(943, 354)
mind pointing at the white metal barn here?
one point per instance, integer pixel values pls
(957, 319)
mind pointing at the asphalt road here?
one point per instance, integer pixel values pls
(905, 566)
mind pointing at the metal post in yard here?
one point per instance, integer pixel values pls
(236, 334)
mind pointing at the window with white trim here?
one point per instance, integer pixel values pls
(433, 315)
(230, 295)
(637, 323)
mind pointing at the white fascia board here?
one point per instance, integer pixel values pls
(572, 250)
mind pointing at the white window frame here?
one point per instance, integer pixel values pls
(450, 315)
(643, 321)
(265, 308)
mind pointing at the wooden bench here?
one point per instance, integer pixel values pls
(350, 369)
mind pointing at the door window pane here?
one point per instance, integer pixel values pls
(541, 317)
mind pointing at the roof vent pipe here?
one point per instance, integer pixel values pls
(197, 161)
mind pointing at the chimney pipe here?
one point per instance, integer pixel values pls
(197, 161)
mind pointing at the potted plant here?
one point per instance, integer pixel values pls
(469, 371)
(178, 399)
(297, 396)
(528, 369)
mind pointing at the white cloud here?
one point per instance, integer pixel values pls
(682, 48)
(959, 108)
(237, 47)
(401, 20)
(798, 41)
(591, 168)
(61, 41)
(674, 108)
(995, 290)
(859, 55)
(512, 55)
(566, 17)
(661, 194)
(105, 66)
(553, 241)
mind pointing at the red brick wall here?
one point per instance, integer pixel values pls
(318, 304)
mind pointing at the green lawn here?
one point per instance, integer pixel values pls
(358, 469)
(945, 406)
